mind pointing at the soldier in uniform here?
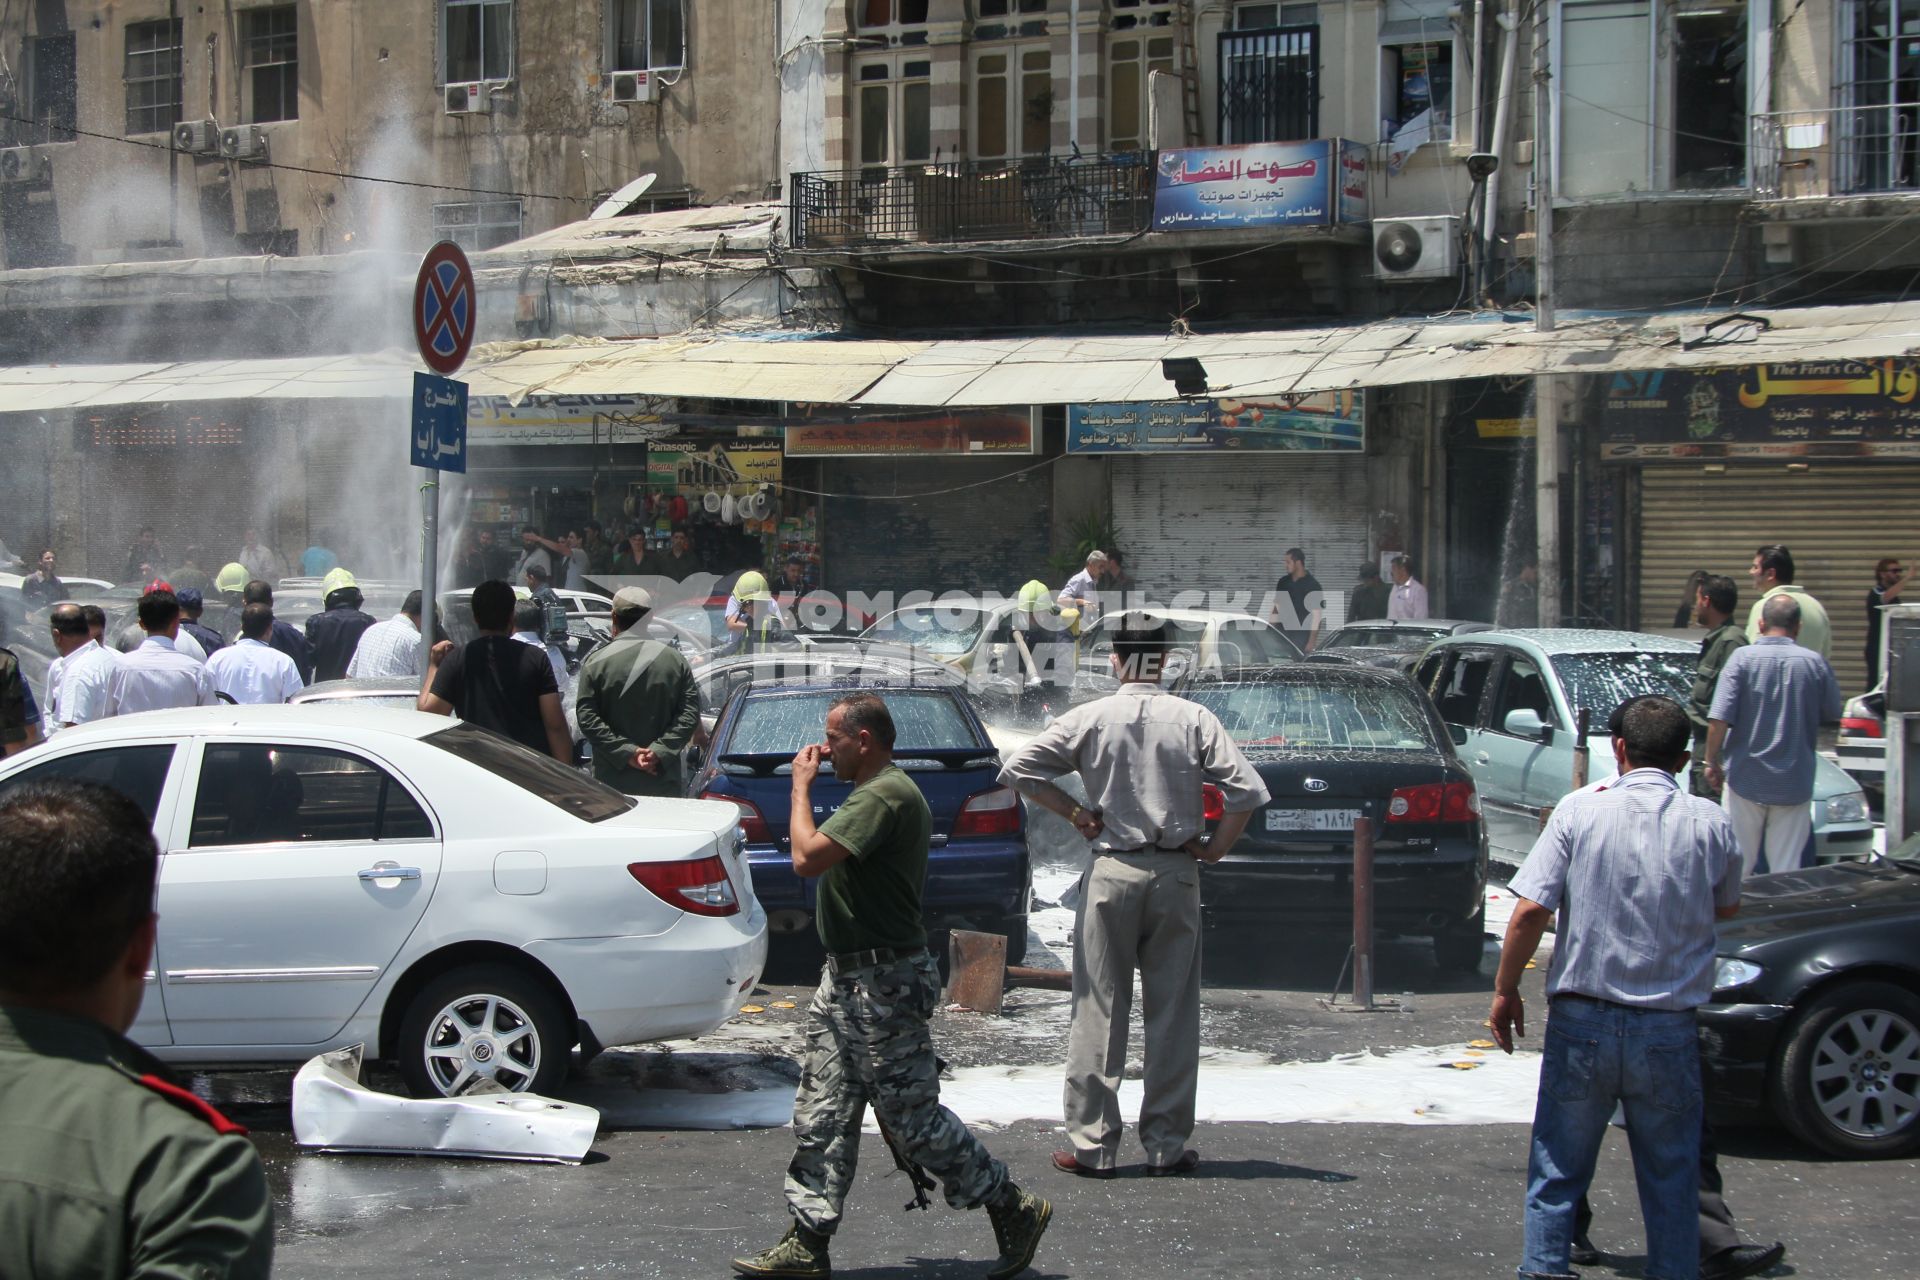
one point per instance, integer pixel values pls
(107, 1168)
(1713, 604)
(867, 1024)
(638, 703)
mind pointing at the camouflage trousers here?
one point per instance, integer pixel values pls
(868, 1043)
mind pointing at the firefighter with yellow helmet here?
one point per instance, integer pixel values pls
(1046, 638)
(754, 617)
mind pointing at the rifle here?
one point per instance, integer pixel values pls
(921, 1180)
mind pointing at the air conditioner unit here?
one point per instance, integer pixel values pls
(201, 137)
(25, 164)
(1416, 248)
(470, 99)
(630, 86)
(243, 142)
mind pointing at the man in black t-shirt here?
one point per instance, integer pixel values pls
(497, 682)
(1300, 613)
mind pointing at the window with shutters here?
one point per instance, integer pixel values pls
(893, 107)
(1013, 97)
(153, 76)
(1130, 61)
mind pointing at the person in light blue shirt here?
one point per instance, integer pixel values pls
(317, 561)
(1762, 737)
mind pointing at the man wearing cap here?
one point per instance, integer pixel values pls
(336, 633)
(250, 671)
(391, 649)
(192, 604)
(637, 704)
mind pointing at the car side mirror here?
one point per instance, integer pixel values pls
(1525, 722)
(1458, 732)
(696, 757)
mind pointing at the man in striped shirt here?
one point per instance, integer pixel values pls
(1638, 873)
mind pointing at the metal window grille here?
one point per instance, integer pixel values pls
(477, 41)
(476, 225)
(1878, 127)
(1269, 85)
(153, 76)
(271, 48)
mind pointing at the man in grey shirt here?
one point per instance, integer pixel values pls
(1763, 736)
(1144, 755)
(1638, 873)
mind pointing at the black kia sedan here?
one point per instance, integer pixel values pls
(1815, 1015)
(1335, 743)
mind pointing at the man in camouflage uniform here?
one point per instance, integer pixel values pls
(867, 1038)
(107, 1168)
(1714, 604)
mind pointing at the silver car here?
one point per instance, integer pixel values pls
(1510, 699)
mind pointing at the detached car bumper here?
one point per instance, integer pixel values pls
(669, 986)
(1737, 1043)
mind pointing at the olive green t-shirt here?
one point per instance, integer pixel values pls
(872, 899)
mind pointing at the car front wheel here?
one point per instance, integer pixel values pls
(483, 1021)
(1848, 1081)
(1460, 949)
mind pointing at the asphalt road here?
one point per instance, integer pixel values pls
(1307, 1200)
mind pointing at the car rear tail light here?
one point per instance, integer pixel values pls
(991, 813)
(753, 823)
(1213, 802)
(700, 887)
(1862, 725)
(1434, 802)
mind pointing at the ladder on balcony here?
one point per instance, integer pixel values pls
(1189, 75)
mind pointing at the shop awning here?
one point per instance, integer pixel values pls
(960, 373)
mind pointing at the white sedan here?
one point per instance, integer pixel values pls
(334, 875)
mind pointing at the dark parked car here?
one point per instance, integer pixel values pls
(1333, 744)
(1815, 1014)
(978, 873)
(720, 678)
(1393, 645)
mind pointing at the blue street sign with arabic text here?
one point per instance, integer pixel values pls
(438, 438)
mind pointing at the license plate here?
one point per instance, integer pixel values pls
(1312, 819)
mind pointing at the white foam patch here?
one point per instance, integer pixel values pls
(1417, 1086)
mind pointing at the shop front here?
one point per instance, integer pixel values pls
(1824, 458)
(1208, 495)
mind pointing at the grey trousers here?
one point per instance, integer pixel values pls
(1137, 911)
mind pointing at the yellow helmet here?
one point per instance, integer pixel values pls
(752, 586)
(335, 579)
(232, 577)
(1035, 597)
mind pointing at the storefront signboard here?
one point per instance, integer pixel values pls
(1318, 183)
(995, 433)
(1325, 422)
(719, 467)
(545, 420)
(1814, 409)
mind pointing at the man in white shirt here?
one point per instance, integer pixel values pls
(157, 675)
(77, 679)
(391, 649)
(1082, 591)
(251, 671)
(133, 636)
(1407, 602)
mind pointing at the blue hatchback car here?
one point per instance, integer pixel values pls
(978, 873)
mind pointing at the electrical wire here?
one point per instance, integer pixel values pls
(343, 175)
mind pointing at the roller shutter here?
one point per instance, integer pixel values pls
(1225, 523)
(988, 537)
(1837, 519)
(182, 474)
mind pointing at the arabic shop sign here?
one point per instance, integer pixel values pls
(730, 468)
(1326, 422)
(1824, 409)
(1264, 184)
(559, 419)
(987, 434)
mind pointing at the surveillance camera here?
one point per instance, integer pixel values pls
(1481, 164)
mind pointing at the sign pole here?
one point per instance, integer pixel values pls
(444, 306)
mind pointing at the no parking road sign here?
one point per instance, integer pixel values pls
(443, 308)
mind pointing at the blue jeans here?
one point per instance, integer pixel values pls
(1648, 1061)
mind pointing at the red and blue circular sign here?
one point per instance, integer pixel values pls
(443, 308)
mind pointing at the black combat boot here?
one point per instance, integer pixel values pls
(800, 1253)
(1019, 1220)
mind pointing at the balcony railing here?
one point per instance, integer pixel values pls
(1047, 198)
(1837, 151)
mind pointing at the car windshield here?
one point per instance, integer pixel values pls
(1602, 681)
(937, 628)
(1399, 639)
(784, 723)
(1354, 717)
(580, 795)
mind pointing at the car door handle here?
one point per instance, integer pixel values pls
(1483, 758)
(390, 871)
